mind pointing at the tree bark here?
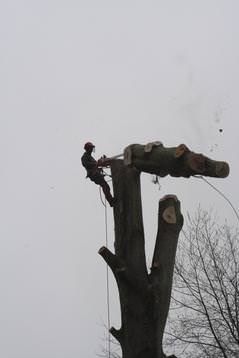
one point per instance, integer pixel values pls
(144, 296)
(175, 161)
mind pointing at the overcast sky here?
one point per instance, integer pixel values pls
(115, 73)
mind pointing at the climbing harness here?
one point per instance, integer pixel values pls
(219, 192)
(106, 174)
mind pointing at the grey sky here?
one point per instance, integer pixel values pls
(115, 73)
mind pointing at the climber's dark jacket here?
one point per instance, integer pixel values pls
(96, 175)
(91, 165)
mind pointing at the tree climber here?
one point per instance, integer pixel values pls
(95, 171)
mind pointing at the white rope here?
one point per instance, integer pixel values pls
(107, 278)
(219, 192)
(117, 156)
(107, 281)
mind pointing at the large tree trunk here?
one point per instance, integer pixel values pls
(144, 297)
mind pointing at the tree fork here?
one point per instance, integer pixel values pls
(144, 297)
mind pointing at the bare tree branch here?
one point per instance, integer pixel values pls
(205, 310)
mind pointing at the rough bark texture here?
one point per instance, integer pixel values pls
(175, 161)
(144, 297)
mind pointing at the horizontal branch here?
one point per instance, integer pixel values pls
(175, 161)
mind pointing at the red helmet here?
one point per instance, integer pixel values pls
(88, 145)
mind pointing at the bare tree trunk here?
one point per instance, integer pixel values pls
(144, 297)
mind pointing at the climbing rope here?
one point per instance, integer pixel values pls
(107, 276)
(217, 190)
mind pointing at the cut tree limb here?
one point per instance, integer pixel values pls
(170, 222)
(175, 161)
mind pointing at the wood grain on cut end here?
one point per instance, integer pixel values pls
(222, 169)
(169, 215)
